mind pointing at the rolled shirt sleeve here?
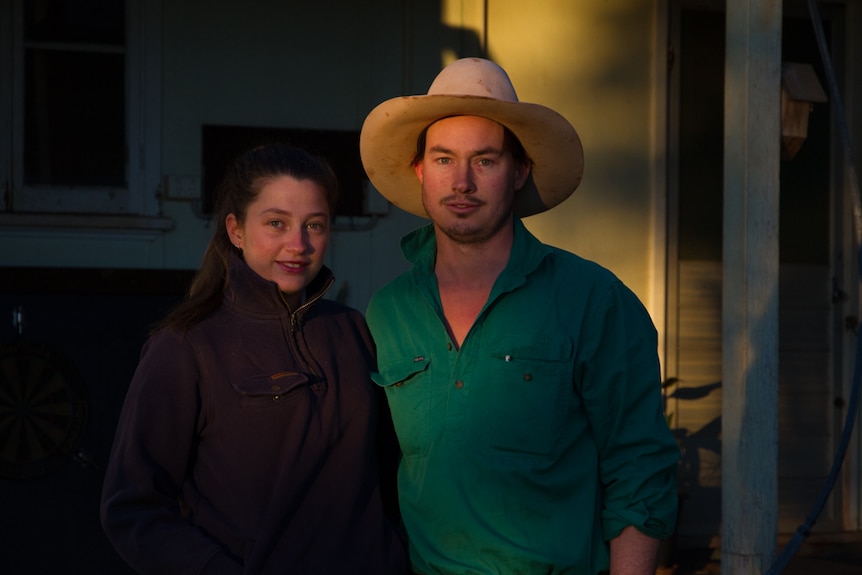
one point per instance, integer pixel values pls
(618, 377)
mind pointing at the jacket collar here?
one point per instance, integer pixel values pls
(252, 293)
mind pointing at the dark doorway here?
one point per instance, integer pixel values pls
(809, 344)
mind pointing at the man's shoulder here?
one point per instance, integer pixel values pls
(564, 261)
(397, 285)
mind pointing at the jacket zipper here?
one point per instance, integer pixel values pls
(294, 325)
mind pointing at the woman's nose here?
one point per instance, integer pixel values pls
(297, 240)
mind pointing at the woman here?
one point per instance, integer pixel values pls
(246, 442)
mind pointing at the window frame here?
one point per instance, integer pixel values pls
(141, 198)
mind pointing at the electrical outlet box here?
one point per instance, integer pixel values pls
(183, 187)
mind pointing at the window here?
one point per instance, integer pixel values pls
(220, 144)
(79, 97)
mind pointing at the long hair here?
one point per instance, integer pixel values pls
(244, 178)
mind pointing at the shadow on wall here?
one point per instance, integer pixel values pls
(434, 43)
(700, 503)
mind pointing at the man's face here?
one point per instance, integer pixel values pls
(468, 178)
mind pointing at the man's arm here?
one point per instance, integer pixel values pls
(633, 553)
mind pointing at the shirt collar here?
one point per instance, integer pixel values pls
(420, 249)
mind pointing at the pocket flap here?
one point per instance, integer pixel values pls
(399, 372)
(280, 383)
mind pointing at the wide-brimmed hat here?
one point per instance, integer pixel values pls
(471, 87)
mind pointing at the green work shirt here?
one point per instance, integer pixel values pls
(529, 448)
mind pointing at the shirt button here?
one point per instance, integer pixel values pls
(528, 377)
(459, 384)
(276, 397)
(449, 346)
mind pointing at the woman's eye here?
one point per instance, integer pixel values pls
(485, 162)
(274, 223)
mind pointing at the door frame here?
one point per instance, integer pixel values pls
(847, 494)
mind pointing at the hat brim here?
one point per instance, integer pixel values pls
(387, 146)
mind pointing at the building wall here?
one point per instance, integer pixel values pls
(324, 65)
(592, 62)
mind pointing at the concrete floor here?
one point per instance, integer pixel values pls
(839, 565)
(843, 559)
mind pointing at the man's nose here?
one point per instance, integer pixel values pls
(464, 182)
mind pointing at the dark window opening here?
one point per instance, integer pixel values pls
(221, 144)
(74, 93)
(74, 121)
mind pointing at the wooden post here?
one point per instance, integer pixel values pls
(752, 137)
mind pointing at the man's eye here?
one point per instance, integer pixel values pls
(485, 162)
(274, 223)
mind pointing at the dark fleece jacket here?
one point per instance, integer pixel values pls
(247, 444)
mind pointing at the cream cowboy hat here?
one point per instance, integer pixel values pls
(471, 87)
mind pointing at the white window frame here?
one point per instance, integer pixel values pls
(87, 206)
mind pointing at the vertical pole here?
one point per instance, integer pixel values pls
(752, 130)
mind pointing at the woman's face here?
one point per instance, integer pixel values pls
(285, 234)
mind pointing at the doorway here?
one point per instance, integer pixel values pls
(813, 298)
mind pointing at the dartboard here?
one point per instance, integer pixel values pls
(43, 410)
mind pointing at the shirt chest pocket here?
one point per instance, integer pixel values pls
(270, 390)
(408, 390)
(523, 399)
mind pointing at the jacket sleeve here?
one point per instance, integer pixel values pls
(150, 459)
(621, 388)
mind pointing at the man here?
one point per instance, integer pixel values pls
(523, 380)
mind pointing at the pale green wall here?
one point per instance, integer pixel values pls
(325, 64)
(275, 64)
(592, 61)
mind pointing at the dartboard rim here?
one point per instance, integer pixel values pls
(73, 403)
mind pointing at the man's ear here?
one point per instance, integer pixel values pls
(522, 172)
(417, 169)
